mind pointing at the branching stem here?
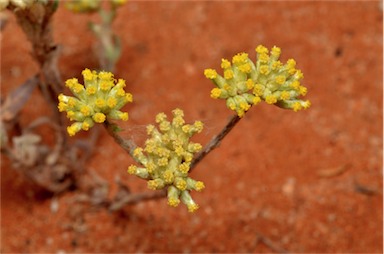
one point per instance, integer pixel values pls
(127, 144)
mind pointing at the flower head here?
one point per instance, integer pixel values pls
(100, 98)
(245, 83)
(167, 156)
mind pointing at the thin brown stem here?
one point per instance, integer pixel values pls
(215, 141)
(36, 23)
(127, 144)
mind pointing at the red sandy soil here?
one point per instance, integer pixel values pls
(267, 188)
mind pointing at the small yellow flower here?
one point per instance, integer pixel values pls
(215, 93)
(210, 73)
(225, 63)
(99, 117)
(228, 74)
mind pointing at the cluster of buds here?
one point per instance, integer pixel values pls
(97, 100)
(90, 5)
(167, 156)
(246, 83)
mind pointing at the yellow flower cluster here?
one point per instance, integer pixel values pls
(246, 83)
(99, 99)
(167, 156)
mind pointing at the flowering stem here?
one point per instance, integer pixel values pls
(215, 141)
(127, 144)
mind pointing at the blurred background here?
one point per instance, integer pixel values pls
(280, 182)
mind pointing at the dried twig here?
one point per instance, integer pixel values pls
(36, 23)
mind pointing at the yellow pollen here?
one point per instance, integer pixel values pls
(103, 75)
(215, 93)
(296, 106)
(85, 110)
(302, 90)
(256, 100)
(88, 75)
(152, 185)
(246, 68)
(285, 95)
(295, 85)
(129, 97)
(91, 90)
(275, 51)
(138, 151)
(184, 168)
(105, 85)
(307, 104)
(111, 102)
(99, 117)
(250, 84)
(240, 58)
(168, 176)
(192, 208)
(173, 202)
(227, 87)
(280, 80)
(181, 184)
(264, 69)
(62, 106)
(100, 102)
(132, 169)
(123, 116)
(228, 74)
(121, 82)
(71, 82)
(71, 130)
(70, 114)
(291, 63)
(225, 63)
(210, 73)
(85, 126)
(271, 99)
(261, 49)
(199, 186)
(258, 90)
(276, 65)
(264, 58)
(77, 88)
(120, 92)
